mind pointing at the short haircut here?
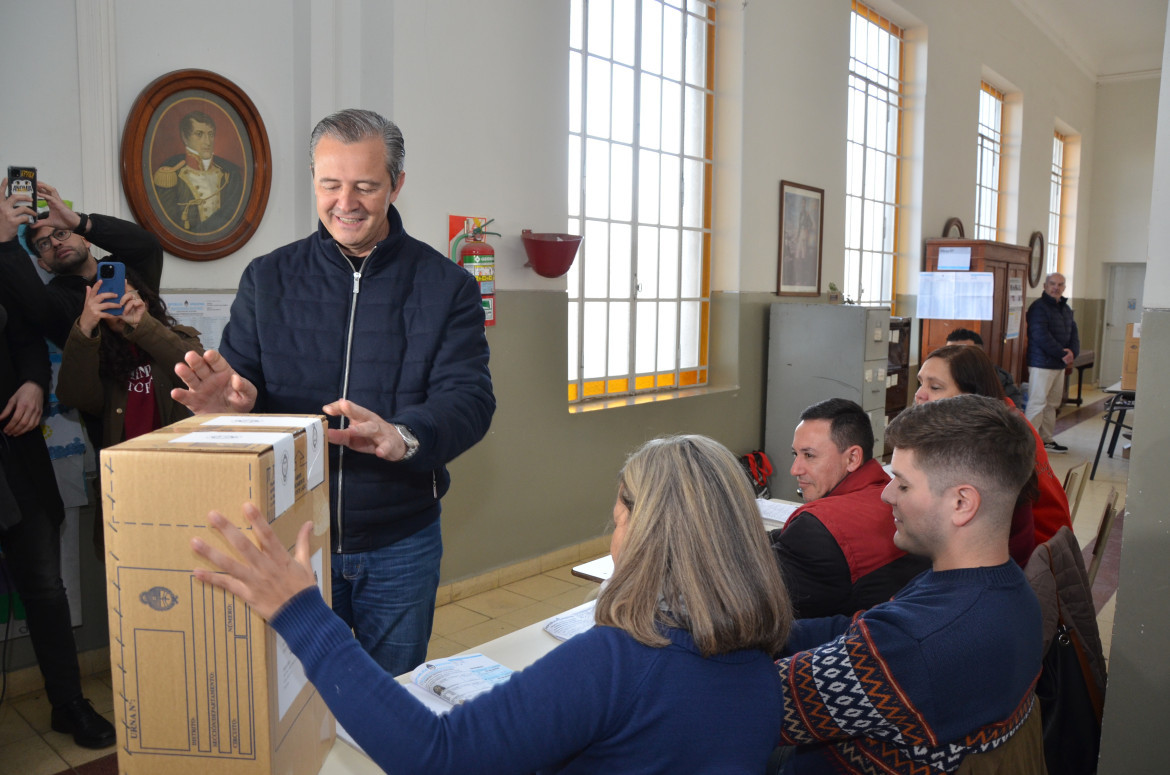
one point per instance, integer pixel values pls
(849, 425)
(972, 439)
(964, 335)
(696, 556)
(353, 125)
(187, 123)
(971, 369)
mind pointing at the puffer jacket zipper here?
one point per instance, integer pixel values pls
(340, 502)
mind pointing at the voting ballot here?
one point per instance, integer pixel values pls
(201, 683)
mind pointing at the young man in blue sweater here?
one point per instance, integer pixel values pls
(947, 667)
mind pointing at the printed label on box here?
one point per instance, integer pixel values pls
(184, 629)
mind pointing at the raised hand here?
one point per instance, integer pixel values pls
(212, 385)
(265, 575)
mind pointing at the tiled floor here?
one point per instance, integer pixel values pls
(28, 747)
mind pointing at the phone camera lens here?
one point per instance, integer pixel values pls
(107, 271)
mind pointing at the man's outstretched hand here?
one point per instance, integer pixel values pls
(212, 385)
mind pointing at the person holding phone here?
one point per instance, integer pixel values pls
(677, 676)
(119, 360)
(60, 243)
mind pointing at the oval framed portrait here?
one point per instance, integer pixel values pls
(196, 164)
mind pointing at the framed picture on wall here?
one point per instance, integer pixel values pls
(802, 225)
(196, 165)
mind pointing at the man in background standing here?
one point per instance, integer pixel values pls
(1053, 343)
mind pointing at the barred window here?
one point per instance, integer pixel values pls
(640, 151)
(987, 166)
(873, 156)
(1055, 205)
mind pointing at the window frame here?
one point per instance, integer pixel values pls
(621, 377)
(861, 208)
(1056, 204)
(989, 146)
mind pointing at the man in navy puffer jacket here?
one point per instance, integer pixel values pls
(1053, 343)
(385, 333)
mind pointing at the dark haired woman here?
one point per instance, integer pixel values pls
(122, 367)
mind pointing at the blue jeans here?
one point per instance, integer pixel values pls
(388, 597)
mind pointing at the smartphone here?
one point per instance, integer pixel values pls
(113, 277)
(23, 180)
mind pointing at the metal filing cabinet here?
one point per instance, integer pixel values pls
(819, 351)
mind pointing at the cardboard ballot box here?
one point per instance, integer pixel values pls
(1129, 367)
(201, 683)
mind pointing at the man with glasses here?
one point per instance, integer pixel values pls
(60, 242)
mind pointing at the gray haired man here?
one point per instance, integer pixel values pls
(384, 334)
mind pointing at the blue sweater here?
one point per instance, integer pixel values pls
(914, 685)
(600, 702)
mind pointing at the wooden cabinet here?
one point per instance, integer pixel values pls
(1009, 265)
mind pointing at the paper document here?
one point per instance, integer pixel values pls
(955, 295)
(572, 622)
(775, 512)
(459, 679)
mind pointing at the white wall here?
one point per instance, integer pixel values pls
(1125, 125)
(480, 97)
(794, 111)
(1157, 293)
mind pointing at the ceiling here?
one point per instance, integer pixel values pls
(1108, 39)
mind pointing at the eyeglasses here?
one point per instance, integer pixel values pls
(44, 243)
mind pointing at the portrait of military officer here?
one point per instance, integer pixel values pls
(199, 192)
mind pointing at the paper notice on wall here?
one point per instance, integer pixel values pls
(290, 674)
(1015, 307)
(205, 312)
(956, 295)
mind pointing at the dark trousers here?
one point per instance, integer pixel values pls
(32, 551)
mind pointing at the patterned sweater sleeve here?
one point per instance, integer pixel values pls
(844, 704)
(844, 689)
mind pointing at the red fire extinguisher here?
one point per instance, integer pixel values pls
(479, 258)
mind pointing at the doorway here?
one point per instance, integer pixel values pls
(1123, 305)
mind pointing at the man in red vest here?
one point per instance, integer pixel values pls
(836, 552)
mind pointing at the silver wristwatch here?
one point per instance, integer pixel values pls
(409, 439)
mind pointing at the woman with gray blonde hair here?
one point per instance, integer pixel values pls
(686, 555)
(677, 676)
